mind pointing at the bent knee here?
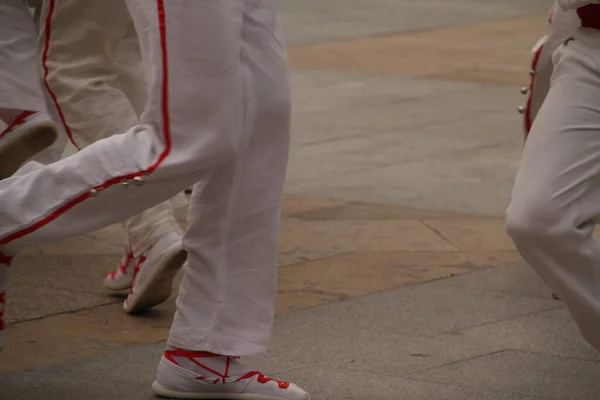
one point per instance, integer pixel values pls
(536, 220)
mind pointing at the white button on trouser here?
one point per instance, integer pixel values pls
(218, 112)
(556, 198)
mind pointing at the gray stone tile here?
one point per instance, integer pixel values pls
(521, 373)
(424, 310)
(332, 384)
(378, 110)
(517, 280)
(459, 181)
(550, 332)
(39, 286)
(363, 350)
(28, 304)
(79, 272)
(350, 152)
(126, 373)
(340, 90)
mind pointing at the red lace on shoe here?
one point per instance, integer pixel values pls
(2, 307)
(264, 379)
(19, 120)
(136, 270)
(192, 355)
(123, 265)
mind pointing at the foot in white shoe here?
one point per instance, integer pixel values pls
(29, 133)
(121, 278)
(154, 272)
(186, 374)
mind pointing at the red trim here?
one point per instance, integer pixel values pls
(528, 117)
(2, 307)
(48, 30)
(19, 119)
(166, 132)
(4, 259)
(551, 13)
(222, 377)
(136, 271)
(589, 16)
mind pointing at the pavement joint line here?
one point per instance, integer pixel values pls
(408, 285)
(325, 258)
(438, 155)
(388, 131)
(62, 313)
(441, 235)
(539, 353)
(457, 362)
(499, 321)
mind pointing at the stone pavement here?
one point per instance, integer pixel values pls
(396, 278)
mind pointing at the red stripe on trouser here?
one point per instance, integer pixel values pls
(166, 133)
(590, 16)
(528, 118)
(47, 32)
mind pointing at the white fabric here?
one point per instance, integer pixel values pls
(95, 73)
(20, 82)
(573, 4)
(20, 85)
(564, 24)
(227, 125)
(556, 198)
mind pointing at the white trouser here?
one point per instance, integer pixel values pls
(562, 25)
(218, 112)
(20, 83)
(556, 198)
(93, 69)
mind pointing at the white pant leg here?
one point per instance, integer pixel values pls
(556, 198)
(229, 129)
(95, 74)
(20, 79)
(19, 68)
(563, 24)
(188, 132)
(226, 303)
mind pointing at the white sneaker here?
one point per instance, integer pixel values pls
(154, 272)
(186, 374)
(28, 134)
(121, 278)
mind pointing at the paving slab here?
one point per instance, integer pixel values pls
(516, 280)
(550, 332)
(376, 385)
(523, 373)
(425, 310)
(338, 352)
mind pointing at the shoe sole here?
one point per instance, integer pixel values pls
(17, 150)
(159, 286)
(117, 288)
(161, 391)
